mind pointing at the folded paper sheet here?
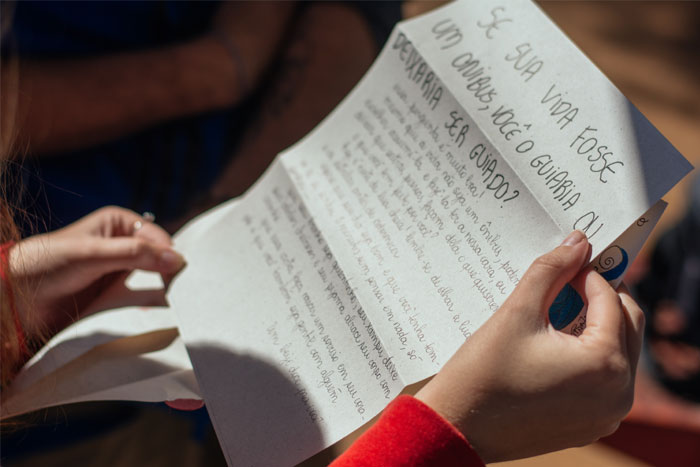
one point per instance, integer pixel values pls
(126, 354)
(374, 247)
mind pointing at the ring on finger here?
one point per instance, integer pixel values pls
(147, 216)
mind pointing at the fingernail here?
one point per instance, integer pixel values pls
(171, 260)
(574, 238)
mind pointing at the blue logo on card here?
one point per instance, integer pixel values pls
(612, 263)
(565, 308)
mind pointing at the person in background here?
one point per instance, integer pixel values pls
(141, 104)
(670, 292)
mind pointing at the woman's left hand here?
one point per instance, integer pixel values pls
(61, 273)
(519, 388)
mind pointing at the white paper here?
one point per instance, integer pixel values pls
(128, 354)
(375, 246)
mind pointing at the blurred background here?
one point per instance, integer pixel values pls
(96, 126)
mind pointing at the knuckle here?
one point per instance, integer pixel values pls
(615, 367)
(110, 210)
(616, 364)
(612, 368)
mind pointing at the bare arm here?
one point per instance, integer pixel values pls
(69, 104)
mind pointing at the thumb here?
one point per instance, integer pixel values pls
(127, 253)
(186, 405)
(548, 274)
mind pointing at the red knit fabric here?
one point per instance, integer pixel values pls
(5, 283)
(410, 433)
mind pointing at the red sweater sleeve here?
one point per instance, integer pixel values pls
(410, 433)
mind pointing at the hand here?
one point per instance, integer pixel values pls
(518, 387)
(60, 273)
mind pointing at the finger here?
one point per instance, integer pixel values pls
(185, 404)
(549, 274)
(113, 293)
(153, 232)
(114, 221)
(605, 318)
(107, 255)
(134, 224)
(634, 323)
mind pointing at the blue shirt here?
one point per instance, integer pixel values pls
(160, 169)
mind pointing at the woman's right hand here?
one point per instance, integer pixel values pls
(518, 387)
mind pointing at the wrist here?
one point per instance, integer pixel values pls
(469, 455)
(458, 406)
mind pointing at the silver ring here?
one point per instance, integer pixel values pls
(147, 217)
